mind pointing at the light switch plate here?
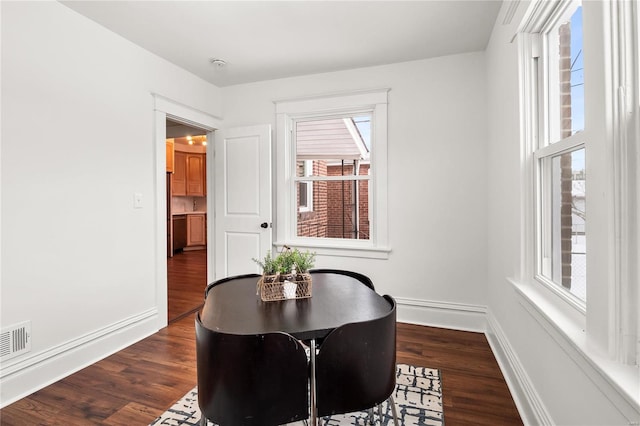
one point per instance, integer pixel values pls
(137, 200)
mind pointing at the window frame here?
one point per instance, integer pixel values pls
(288, 111)
(542, 145)
(610, 322)
(543, 235)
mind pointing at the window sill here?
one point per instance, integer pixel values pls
(621, 383)
(343, 250)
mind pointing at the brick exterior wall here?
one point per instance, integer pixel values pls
(566, 178)
(314, 223)
(333, 214)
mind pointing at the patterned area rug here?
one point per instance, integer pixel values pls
(418, 398)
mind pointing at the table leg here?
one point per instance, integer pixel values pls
(314, 411)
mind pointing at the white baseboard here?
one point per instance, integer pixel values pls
(530, 406)
(478, 318)
(528, 400)
(457, 316)
(29, 373)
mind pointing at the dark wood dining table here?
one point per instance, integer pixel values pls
(234, 307)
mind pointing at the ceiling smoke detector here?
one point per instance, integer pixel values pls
(218, 63)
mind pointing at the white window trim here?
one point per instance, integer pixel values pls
(288, 110)
(626, 182)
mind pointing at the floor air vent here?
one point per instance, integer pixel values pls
(15, 340)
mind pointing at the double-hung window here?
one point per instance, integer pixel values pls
(335, 156)
(331, 173)
(559, 154)
(581, 118)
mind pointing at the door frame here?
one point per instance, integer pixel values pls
(168, 108)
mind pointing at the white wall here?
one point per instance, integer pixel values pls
(78, 260)
(550, 377)
(437, 179)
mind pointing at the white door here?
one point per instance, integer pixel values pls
(242, 199)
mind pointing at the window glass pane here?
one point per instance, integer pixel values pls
(303, 199)
(340, 210)
(336, 147)
(568, 217)
(363, 124)
(333, 141)
(570, 77)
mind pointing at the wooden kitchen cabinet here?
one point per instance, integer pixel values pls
(179, 177)
(189, 176)
(196, 184)
(170, 155)
(196, 230)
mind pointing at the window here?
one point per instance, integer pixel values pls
(574, 127)
(331, 170)
(335, 156)
(560, 172)
(304, 168)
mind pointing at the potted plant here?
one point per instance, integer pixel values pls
(285, 276)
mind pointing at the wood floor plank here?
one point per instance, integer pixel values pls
(135, 385)
(132, 414)
(186, 282)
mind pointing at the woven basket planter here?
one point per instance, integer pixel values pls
(284, 287)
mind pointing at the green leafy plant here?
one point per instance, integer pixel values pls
(303, 261)
(269, 264)
(286, 262)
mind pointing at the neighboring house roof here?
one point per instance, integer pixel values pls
(332, 139)
(578, 188)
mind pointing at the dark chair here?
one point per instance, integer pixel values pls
(358, 276)
(224, 280)
(257, 380)
(356, 366)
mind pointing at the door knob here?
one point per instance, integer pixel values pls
(264, 225)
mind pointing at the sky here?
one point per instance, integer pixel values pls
(577, 72)
(364, 127)
(577, 85)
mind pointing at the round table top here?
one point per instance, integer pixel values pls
(234, 307)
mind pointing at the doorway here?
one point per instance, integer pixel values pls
(186, 218)
(167, 109)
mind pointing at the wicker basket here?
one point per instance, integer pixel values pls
(283, 287)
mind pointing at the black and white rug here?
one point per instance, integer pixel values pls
(418, 398)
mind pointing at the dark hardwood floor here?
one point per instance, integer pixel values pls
(473, 387)
(186, 282)
(135, 385)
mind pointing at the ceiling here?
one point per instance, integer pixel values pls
(264, 40)
(180, 131)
